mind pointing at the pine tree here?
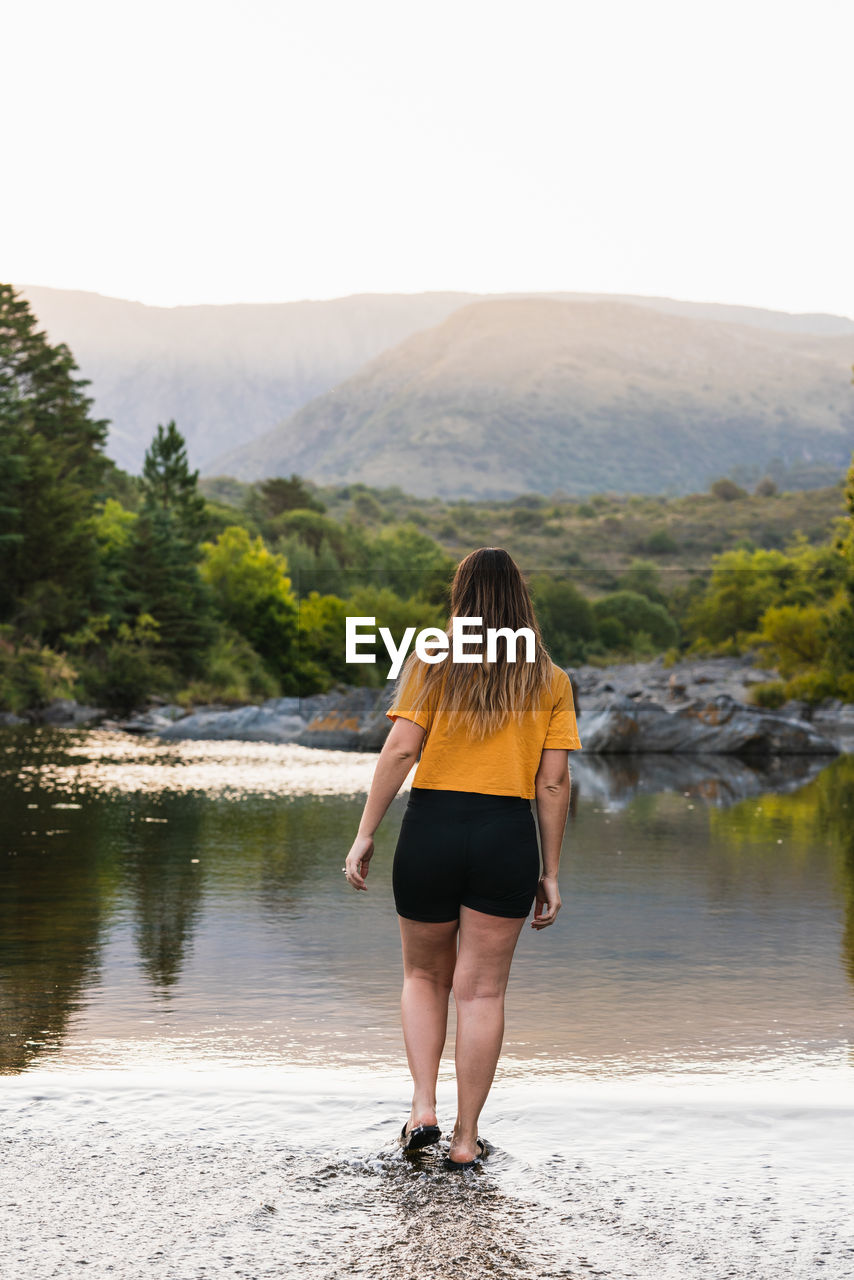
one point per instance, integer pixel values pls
(165, 552)
(51, 463)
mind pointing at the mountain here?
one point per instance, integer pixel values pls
(537, 394)
(229, 374)
(224, 373)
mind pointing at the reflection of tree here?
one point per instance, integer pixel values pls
(818, 817)
(55, 892)
(835, 824)
(166, 887)
(270, 847)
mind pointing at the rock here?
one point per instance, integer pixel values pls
(355, 721)
(713, 781)
(65, 711)
(676, 687)
(9, 718)
(796, 709)
(719, 726)
(276, 720)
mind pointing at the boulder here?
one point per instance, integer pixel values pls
(718, 725)
(352, 721)
(276, 720)
(65, 711)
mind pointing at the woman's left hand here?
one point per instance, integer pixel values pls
(358, 860)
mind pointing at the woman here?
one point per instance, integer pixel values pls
(492, 736)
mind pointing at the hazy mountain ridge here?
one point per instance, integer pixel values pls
(541, 394)
(229, 374)
(224, 373)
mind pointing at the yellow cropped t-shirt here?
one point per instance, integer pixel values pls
(503, 764)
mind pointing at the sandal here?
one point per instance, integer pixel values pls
(421, 1136)
(467, 1164)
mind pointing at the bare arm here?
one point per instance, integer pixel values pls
(399, 753)
(551, 788)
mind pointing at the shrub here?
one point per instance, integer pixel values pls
(234, 674)
(661, 543)
(727, 490)
(32, 674)
(770, 694)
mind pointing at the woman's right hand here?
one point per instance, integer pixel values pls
(547, 904)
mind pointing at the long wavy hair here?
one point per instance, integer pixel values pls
(488, 584)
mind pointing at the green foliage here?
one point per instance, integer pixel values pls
(252, 591)
(234, 674)
(410, 563)
(120, 670)
(525, 520)
(51, 461)
(644, 577)
(770, 694)
(746, 583)
(31, 674)
(366, 507)
(565, 617)
(727, 490)
(279, 495)
(169, 486)
(316, 531)
(322, 638)
(627, 619)
(114, 533)
(792, 636)
(163, 556)
(661, 543)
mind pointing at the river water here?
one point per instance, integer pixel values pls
(202, 1068)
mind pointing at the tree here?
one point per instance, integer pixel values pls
(637, 616)
(253, 592)
(164, 554)
(565, 617)
(292, 494)
(51, 464)
(168, 484)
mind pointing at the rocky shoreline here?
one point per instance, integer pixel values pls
(696, 706)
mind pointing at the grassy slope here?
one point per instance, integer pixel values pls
(602, 533)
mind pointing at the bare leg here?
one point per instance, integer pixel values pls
(429, 956)
(486, 951)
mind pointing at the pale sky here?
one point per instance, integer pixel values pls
(188, 151)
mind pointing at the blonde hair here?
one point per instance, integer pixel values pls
(484, 695)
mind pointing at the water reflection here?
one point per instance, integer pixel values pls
(183, 901)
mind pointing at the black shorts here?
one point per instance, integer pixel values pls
(465, 848)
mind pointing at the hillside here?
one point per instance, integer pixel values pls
(224, 373)
(537, 394)
(229, 374)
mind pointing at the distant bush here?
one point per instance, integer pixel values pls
(565, 617)
(661, 543)
(634, 615)
(526, 520)
(766, 488)
(727, 490)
